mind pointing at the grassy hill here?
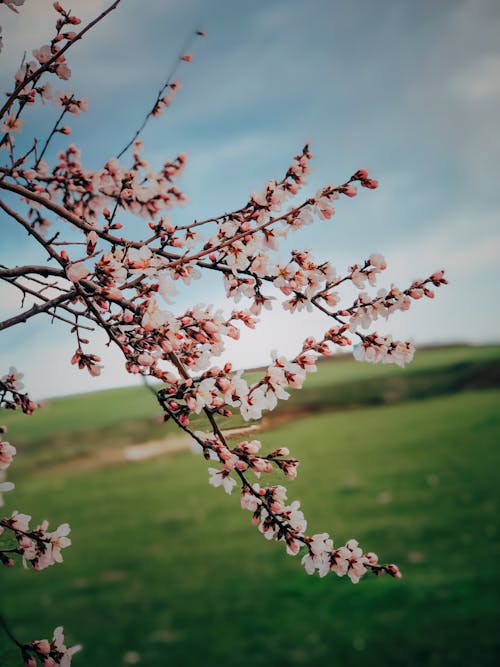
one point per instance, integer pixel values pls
(166, 570)
(73, 427)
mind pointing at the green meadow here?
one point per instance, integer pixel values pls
(166, 570)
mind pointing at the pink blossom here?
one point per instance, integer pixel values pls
(12, 124)
(249, 501)
(77, 271)
(60, 540)
(153, 317)
(43, 54)
(59, 646)
(221, 478)
(357, 562)
(13, 379)
(378, 261)
(20, 521)
(143, 261)
(42, 646)
(166, 288)
(62, 70)
(7, 453)
(324, 208)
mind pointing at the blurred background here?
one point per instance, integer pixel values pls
(167, 570)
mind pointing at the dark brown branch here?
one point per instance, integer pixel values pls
(49, 138)
(32, 232)
(44, 271)
(37, 309)
(70, 217)
(38, 295)
(236, 237)
(43, 68)
(55, 208)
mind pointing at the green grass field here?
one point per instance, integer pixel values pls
(73, 427)
(166, 570)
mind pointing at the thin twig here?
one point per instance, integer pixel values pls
(168, 80)
(5, 627)
(36, 75)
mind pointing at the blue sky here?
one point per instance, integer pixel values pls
(409, 90)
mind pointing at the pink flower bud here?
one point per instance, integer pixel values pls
(360, 175)
(42, 647)
(394, 571)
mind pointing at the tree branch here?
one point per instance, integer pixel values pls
(44, 271)
(160, 93)
(37, 309)
(36, 75)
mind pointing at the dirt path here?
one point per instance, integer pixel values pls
(108, 456)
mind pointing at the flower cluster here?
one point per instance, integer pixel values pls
(275, 518)
(167, 99)
(323, 558)
(11, 394)
(375, 349)
(49, 653)
(37, 547)
(7, 453)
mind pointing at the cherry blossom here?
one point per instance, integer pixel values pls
(12, 124)
(50, 653)
(37, 547)
(221, 478)
(7, 453)
(13, 379)
(77, 271)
